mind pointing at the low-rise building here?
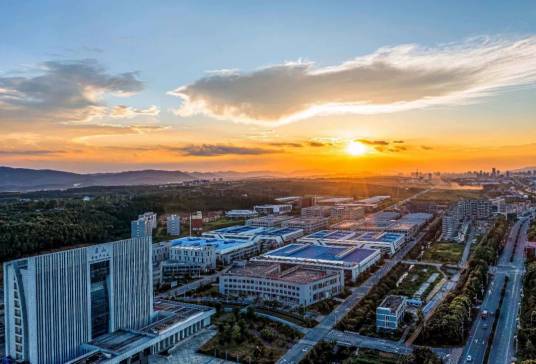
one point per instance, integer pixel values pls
(332, 201)
(241, 214)
(273, 209)
(351, 260)
(268, 221)
(390, 312)
(308, 225)
(295, 286)
(268, 237)
(388, 243)
(227, 250)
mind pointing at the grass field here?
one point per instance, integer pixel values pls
(449, 253)
(417, 276)
(249, 340)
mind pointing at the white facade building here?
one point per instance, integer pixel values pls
(202, 256)
(92, 304)
(56, 302)
(296, 286)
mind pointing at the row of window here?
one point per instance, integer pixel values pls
(264, 289)
(260, 283)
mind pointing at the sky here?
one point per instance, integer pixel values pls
(299, 87)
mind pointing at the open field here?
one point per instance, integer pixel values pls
(415, 278)
(448, 253)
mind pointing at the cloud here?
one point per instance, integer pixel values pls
(391, 79)
(38, 152)
(65, 91)
(212, 150)
(426, 147)
(123, 111)
(373, 142)
(286, 144)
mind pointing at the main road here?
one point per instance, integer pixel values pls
(502, 349)
(475, 348)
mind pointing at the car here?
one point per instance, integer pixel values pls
(469, 359)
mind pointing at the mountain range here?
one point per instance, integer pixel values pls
(25, 179)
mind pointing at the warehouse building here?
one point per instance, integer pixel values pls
(351, 260)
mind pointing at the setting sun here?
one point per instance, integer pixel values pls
(356, 148)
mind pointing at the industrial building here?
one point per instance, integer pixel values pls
(268, 221)
(268, 237)
(388, 243)
(227, 250)
(334, 213)
(372, 203)
(295, 286)
(89, 302)
(390, 312)
(351, 260)
(241, 214)
(388, 222)
(308, 225)
(273, 209)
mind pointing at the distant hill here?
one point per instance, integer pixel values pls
(23, 179)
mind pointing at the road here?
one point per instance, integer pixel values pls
(477, 342)
(319, 332)
(502, 349)
(390, 346)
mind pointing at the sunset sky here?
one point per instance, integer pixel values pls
(293, 86)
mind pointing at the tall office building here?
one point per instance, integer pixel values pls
(56, 302)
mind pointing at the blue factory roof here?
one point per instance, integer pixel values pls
(255, 230)
(322, 252)
(221, 245)
(237, 229)
(383, 237)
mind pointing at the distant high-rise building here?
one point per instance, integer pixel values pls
(140, 228)
(173, 225)
(196, 222)
(151, 219)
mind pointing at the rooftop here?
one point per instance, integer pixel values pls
(269, 219)
(392, 302)
(306, 220)
(373, 199)
(340, 254)
(347, 225)
(273, 271)
(222, 246)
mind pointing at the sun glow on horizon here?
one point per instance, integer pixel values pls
(356, 148)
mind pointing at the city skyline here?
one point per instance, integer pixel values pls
(293, 88)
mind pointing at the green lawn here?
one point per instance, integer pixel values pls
(415, 278)
(249, 339)
(449, 253)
